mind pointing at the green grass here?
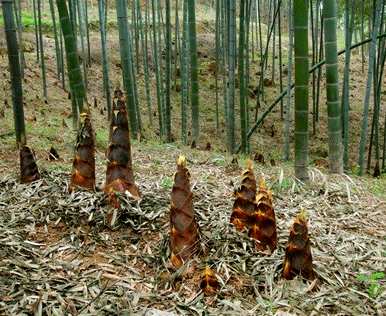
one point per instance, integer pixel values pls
(219, 160)
(28, 21)
(378, 186)
(373, 282)
(102, 138)
(166, 183)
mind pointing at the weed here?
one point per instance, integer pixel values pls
(166, 183)
(373, 282)
(101, 138)
(219, 161)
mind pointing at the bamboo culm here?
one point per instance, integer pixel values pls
(301, 88)
(366, 102)
(105, 60)
(124, 42)
(14, 69)
(332, 85)
(77, 88)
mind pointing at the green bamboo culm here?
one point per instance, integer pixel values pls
(177, 48)
(370, 74)
(54, 26)
(72, 6)
(87, 34)
(135, 90)
(218, 62)
(242, 79)
(62, 74)
(105, 61)
(143, 38)
(193, 70)
(184, 74)
(335, 154)
(34, 8)
(124, 42)
(157, 69)
(15, 72)
(231, 15)
(300, 9)
(348, 22)
(289, 84)
(168, 134)
(19, 23)
(318, 66)
(82, 31)
(73, 68)
(41, 50)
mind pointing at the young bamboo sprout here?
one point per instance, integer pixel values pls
(119, 174)
(209, 284)
(183, 226)
(83, 167)
(28, 168)
(298, 257)
(244, 205)
(263, 222)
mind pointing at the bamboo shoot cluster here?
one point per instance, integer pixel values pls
(254, 211)
(184, 230)
(83, 168)
(244, 205)
(263, 220)
(119, 174)
(28, 168)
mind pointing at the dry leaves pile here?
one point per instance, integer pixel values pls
(62, 253)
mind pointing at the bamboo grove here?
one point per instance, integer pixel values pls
(258, 44)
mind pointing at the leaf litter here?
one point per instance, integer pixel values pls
(74, 254)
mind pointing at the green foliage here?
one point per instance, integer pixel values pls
(283, 184)
(101, 138)
(166, 183)
(219, 161)
(378, 186)
(373, 282)
(367, 10)
(27, 20)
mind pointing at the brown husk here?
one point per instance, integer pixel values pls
(28, 168)
(119, 174)
(183, 227)
(298, 257)
(83, 167)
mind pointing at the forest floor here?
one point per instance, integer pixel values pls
(71, 253)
